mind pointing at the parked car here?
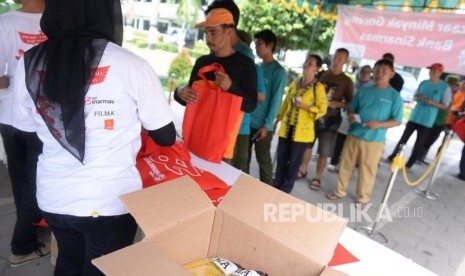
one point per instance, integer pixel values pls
(410, 86)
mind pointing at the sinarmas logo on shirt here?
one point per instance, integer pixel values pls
(96, 100)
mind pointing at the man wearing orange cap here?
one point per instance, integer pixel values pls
(432, 95)
(240, 77)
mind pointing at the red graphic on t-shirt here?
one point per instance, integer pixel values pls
(44, 106)
(20, 54)
(87, 100)
(32, 39)
(100, 75)
(109, 124)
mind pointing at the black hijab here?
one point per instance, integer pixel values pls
(59, 70)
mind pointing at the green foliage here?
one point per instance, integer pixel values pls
(6, 6)
(141, 43)
(200, 49)
(188, 12)
(195, 53)
(181, 66)
(167, 47)
(293, 29)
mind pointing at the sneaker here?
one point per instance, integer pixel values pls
(387, 159)
(41, 252)
(332, 168)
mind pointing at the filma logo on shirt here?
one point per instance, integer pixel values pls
(104, 113)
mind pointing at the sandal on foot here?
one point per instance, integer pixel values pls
(301, 174)
(315, 184)
(332, 196)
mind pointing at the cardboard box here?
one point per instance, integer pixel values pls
(256, 226)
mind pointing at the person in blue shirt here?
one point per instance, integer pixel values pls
(262, 118)
(432, 95)
(372, 111)
(241, 154)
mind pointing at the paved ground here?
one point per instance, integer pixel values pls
(430, 232)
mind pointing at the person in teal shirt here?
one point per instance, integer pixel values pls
(372, 111)
(264, 115)
(432, 95)
(241, 153)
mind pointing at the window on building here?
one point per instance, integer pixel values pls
(146, 25)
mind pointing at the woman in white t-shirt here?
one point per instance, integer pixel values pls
(87, 99)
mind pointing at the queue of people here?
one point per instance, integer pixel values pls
(81, 132)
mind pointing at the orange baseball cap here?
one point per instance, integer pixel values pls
(217, 17)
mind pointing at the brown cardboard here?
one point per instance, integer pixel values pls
(139, 259)
(331, 272)
(296, 247)
(172, 215)
(181, 225)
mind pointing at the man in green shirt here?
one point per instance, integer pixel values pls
(263, 116)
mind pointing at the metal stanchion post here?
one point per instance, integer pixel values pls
(371, 230)
(427, 193)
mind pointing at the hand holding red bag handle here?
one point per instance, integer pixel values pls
(188, 94)
(222, 80)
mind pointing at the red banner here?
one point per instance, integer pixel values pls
(416, 39)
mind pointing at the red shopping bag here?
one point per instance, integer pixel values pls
(209, 123)
(158, 164)
(459, 128)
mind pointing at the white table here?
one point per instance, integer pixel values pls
(376, 259)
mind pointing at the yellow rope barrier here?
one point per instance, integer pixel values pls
(399, 162)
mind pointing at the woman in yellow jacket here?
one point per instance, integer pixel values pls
(304, 103)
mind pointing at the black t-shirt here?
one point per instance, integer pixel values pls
(397, 82)
(240, 69)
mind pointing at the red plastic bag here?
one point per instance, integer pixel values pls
(209, 123)
(459, 128)
(158, 164)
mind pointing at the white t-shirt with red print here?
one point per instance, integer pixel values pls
(124, 96)
(19, 32)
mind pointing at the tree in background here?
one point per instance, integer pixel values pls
(181, 66)
(6, 6)
(188, 12)
(293, 29)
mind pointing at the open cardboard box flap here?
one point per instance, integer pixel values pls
(256, 226)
